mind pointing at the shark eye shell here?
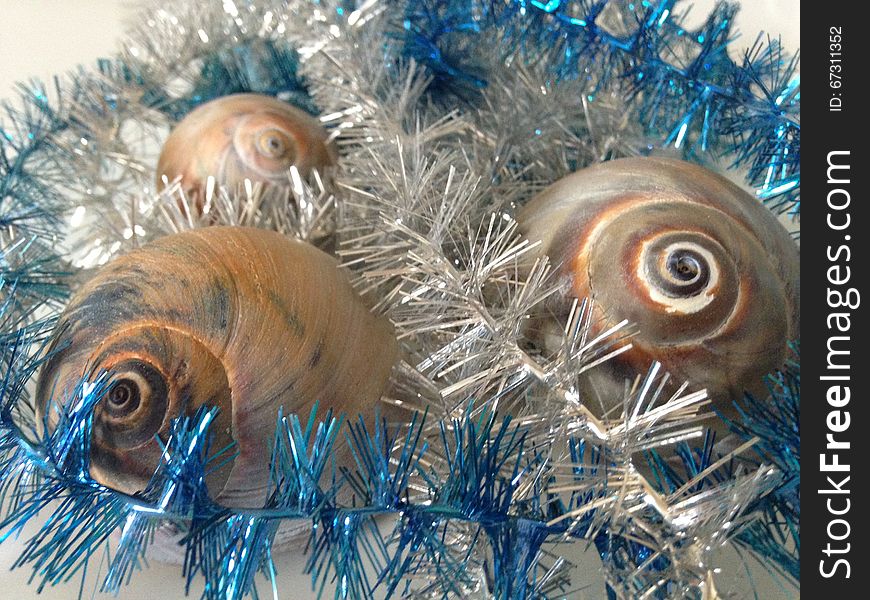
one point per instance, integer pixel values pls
(246, 320)
(243, 136)
(707, 275)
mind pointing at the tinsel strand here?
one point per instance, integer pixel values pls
(440, 142)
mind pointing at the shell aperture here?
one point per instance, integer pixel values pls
(707, 274)
(243, 136)
(241, 318)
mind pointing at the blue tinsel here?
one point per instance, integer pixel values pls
(680, 84)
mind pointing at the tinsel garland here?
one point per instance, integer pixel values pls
(448, 115)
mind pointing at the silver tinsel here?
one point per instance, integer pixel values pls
(420, 209)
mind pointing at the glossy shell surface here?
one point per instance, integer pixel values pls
(242, 318)
(243, 136)
(705, 272)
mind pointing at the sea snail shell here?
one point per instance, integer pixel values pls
(708, 275)
(243, 136)
(237, 317)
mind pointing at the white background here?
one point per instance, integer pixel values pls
(40, 38)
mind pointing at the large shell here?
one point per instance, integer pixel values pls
(706, 273)
(237, 317)
(243, 136)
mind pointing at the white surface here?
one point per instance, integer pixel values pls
(40, 38)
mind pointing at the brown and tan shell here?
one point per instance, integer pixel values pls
(243, 136)
(242, 318)
(707, 274)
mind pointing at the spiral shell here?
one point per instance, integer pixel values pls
(708, 275)
(240, 318)
(243, 136)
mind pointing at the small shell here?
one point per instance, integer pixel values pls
(237, 317)
(709, 277)
(243, 136)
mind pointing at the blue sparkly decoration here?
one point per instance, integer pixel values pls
(477, 454)
(85, 512)
(343, 543)
(484, 464)
(515, 547)
(776, 422)
(430, 508)
(774, 535)
(627, 555)
(764, 128)
(253, 65)
(227, 547)
(256, 65)
(420, 550)
(31, 196)
(31, 275)
(681, 84)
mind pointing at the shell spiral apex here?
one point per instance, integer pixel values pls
(708, 276)
(240, 318)
(243, 136)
